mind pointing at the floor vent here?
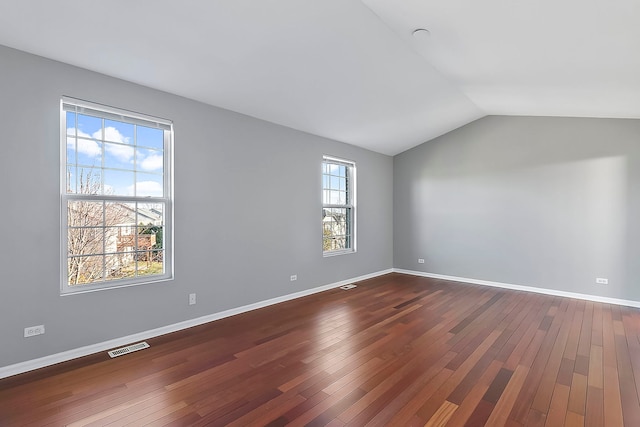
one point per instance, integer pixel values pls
(128, 349)
(347, 287)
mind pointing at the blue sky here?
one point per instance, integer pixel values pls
(132, 154)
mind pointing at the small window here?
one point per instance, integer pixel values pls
(116, 197)
(338, 206)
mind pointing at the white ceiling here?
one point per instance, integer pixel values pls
(350, 70)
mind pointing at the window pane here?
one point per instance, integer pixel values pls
(150, 262)
(118, 132)
(118, 156)
(146, 240)
(119, 214)
(85, 241)
(71, 123)
(335, 183)
(88, 181)
(150, 214)
(149, 160)
(120, 266)
(149, 137)
(338, 198)
(85, 269)
(84, 213)
(89, 152)
(149, 185)
(335, 243)
(89, 126)
(120, 239)
(118, 183)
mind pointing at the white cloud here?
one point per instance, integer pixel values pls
(147, 188)
(111, 134)
(88, 147)
(153, 162)
(124, 153)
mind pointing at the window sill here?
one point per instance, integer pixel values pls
(338, 252)
(74, 291)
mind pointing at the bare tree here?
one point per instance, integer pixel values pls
(92, 228)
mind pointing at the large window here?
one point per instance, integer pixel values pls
(116, 197)
(338, 206)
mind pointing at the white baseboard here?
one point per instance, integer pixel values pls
(594, 298)
(30, 365)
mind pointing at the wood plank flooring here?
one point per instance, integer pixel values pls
(397, 350)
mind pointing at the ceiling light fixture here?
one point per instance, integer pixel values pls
(421, 35)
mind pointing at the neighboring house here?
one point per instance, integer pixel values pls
(133, 240)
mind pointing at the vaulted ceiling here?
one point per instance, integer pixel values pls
(352, 70)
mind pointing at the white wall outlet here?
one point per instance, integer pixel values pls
(192, 299)
(420, 260)
(294, 277)
(602, 281)
(32, 331)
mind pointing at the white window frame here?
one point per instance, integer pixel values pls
(117, 114)
(349, 205)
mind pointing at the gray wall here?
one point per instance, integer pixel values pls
(247, 212)
(534, 201)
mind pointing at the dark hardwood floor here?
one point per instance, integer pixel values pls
(397, 350)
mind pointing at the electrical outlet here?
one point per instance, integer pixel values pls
(602, 281)
(420, 261)
(192, 299)
(294, 277)
(32, 331)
